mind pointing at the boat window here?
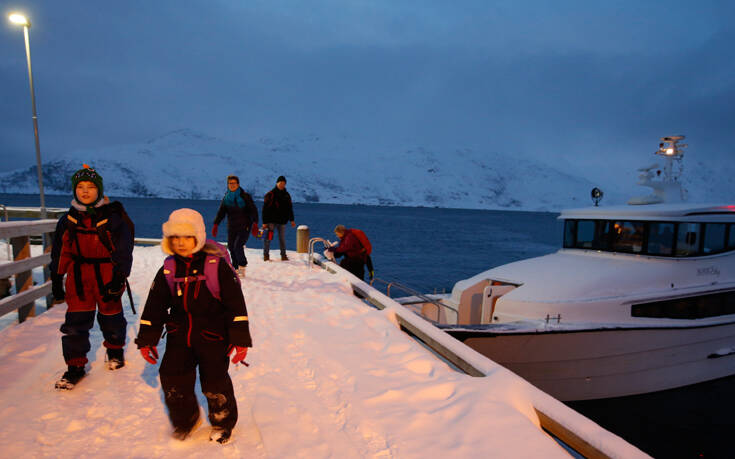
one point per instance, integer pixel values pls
(592, 234)
(628, 236)
(714, 238)
(695, 307)
(661, 238)
(687, 239)
(682, 239)
(585, 234)
(570, 231)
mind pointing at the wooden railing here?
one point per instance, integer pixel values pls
(9, 212)
(18, 233)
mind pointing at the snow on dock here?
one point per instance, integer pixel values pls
(329, 376)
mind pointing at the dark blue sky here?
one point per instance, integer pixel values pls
(568, 81)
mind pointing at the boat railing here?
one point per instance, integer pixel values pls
(425, 299)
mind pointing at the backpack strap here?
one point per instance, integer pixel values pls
(211, 266)
(210, 275)
(169, 271)
(73, 227)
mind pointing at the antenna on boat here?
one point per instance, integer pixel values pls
(665, 180)
(672, 152)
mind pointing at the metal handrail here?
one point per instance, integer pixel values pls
(412, 292)
(312, 242)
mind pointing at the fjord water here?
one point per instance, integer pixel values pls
(422, 248)
(432, 248)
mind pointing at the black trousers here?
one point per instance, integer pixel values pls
(354, 265)
(178, 376)
(236, 240)
(75, 340)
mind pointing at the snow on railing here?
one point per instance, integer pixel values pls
(573, 429)
(18, 233)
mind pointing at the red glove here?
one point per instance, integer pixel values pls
(214, 230)
(254, 230)
(150, 354)
(240, 353)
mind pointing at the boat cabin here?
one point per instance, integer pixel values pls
(701, 232)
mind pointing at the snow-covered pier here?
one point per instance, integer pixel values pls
(329, 376)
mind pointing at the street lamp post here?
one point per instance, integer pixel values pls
(19, 19)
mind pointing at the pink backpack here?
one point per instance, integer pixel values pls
(209, 276)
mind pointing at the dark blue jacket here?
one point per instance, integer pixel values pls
(238, 218)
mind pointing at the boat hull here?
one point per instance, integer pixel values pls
(606, 363)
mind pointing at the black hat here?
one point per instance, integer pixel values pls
(281, 179)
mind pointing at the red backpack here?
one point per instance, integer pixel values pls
(209, 276)
(364, 241)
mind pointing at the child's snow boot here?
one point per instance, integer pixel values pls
(70, 378)
(182, 433)
(220, 434)
(115, 359)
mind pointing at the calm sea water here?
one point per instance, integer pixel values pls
(427, 249)
(422, 248)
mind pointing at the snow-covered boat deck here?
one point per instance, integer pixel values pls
(329, 376)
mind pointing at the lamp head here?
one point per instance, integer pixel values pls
(17, 18)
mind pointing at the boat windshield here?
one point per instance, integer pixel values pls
(666, 239)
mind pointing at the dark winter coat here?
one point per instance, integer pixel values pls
(238, 218)
(277, 207)
(195, 316)
(79, 251)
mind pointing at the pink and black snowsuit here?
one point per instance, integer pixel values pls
(200, 330)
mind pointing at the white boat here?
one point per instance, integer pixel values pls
(640, 298)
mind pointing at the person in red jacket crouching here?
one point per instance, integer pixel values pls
(355, 254)
(198, 297)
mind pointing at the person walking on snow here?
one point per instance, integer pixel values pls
(93, 247)
(204, 327)
(277, 211)
(242, 218)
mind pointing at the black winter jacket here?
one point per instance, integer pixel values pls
(238, 218)
(277, 207)
(196, 315)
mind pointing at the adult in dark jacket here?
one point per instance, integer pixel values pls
(350, 247)
(241, 213)
(202, 330)
(93, 247)
(277, 211)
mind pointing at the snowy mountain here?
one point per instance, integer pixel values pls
(189, 164)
